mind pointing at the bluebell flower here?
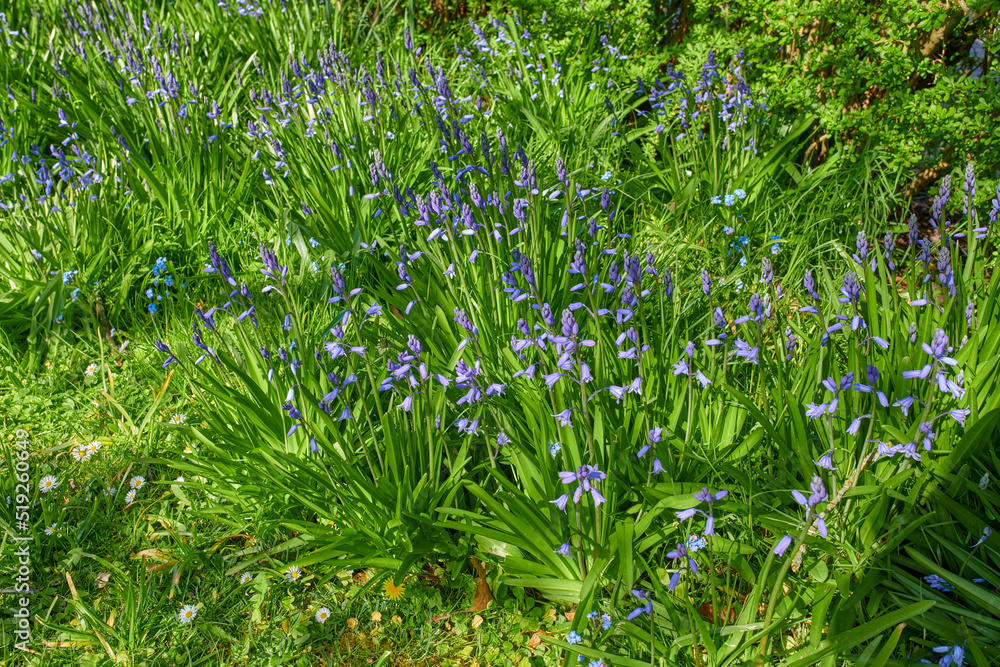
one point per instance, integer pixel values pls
(564, 550)
(782, 546)
(646, 608)
(953, 656)
(680, 552)
(585, 474)
(938, 584)
(564, 417)
(826, 461)
(704, 496)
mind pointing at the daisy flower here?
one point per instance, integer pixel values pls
(129, 497)
(245, 577)
(91, 369)
(392, 591)
(322, 614)
(293, 573)
(48, 483)
(50, 530)
(93, 446)
(80, 453)
(190, 450)
(137, 482)
(188, 612)
(178, 419)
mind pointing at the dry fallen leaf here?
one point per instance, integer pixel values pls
(477, 620)
(396, 620)
(376, 617)
(352, 623)
(483, 595)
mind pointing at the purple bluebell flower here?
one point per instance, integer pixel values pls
(164, 348)
(826, 461)
(272, 269)
(745, 351)
(585, 474)
(680, 552)
(810, 284)
(647, 606)
(938, 583)
(951, 656)
(851, 290)
(706, 282)
(790, 340)
(564, 550)
(861, 243)
(889, 245)
(782, 546)
(767, 274)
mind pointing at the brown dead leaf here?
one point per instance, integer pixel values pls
(536, 639)
(706, 613)
(376, 616)
(570, 614)
(156, 554)
(483, 596)
(477, 620)
(352, 623)
(435, 619)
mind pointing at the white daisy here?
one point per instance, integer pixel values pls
(179, 479)
(322, 614)
(190, 450)
(293, 573)
(129, 497)
(178, 419)
(93, 446)
(91, 369)
(80, 453)
(245, 577)
(48, 483)
(188, 612)
(137, 482)
(50, 530)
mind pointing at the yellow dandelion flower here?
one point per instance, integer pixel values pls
(392, 591)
